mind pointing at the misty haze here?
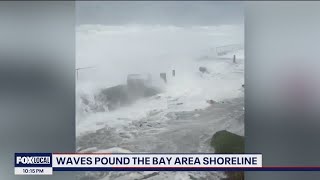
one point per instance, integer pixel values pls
(159, 77)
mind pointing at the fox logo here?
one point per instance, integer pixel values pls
(33, 160)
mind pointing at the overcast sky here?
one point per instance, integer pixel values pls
(180, 13)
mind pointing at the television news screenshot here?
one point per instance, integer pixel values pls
(159, 90)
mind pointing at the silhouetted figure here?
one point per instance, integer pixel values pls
(173, 73)
(163, 76)
(234, 59)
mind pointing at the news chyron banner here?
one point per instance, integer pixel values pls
(47, 163)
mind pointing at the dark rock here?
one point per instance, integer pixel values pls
(122, 95)
(227, 142)
(114, 97)
(203, 69)
(234, 175)
(211, 101)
